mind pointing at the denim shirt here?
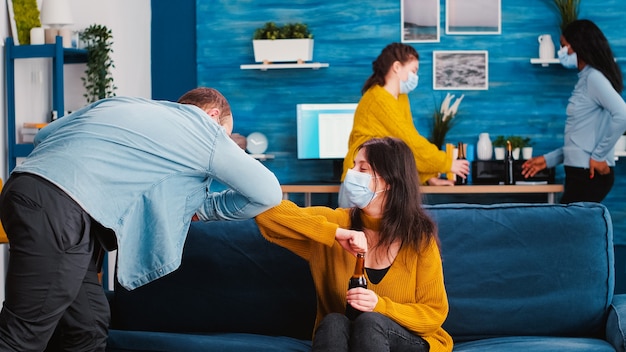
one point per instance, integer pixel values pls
(596, 118)
(143, 168)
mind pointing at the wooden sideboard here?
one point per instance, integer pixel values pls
(549, 189)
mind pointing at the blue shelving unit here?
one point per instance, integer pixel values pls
(60, 56)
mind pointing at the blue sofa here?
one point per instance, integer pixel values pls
(519, 277)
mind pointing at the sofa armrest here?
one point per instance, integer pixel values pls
(616, 323)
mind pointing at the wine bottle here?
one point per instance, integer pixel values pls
(461, 156)
(509, 178)
(358, 279)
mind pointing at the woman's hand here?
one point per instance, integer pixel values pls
(533, 165)
(362, 299)
(352, 241)
(460, 167)
(600, 167)
(436, 181)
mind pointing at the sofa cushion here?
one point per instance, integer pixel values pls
(124, 341)
(535, 344)
(231, 280)
(526, 269)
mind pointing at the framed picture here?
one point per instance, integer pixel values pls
(473, 17)
(420, 21)
(460, 70)
(12, 23)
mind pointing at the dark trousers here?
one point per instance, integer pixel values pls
(52, 281)
(369, 332)
(580, 188)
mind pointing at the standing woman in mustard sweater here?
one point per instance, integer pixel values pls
(384, 111)
(405, 303)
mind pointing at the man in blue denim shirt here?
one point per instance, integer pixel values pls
(134, 169)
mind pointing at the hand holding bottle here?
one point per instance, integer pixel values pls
(352, 241)
(362, 299)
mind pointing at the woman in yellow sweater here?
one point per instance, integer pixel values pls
(384, 111)
(405, 303)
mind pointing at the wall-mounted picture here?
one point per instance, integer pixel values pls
(420, 21)
(460, 70)
(473, 17)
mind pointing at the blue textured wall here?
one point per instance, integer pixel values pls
(522, 99)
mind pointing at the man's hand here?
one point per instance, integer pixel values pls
(600, 167)
(352, 241)
(533, 165)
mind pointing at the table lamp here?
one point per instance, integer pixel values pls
(56, 14)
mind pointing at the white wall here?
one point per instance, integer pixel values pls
(129, 22)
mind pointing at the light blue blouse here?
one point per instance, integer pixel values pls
(596, 118)
(143, 168)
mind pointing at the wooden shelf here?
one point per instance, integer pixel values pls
(265, 67)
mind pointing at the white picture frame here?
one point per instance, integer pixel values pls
(460, 70)
(420, 21)
(473, 17)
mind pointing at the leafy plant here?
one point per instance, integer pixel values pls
(289, 31)
(499, 141)
(98, 79)
(568, 9)
(443, 119)
(26, 16)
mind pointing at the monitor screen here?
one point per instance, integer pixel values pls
(323, 130)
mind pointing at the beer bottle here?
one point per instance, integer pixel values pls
(509, 177)
(358, 279)
(461, 156)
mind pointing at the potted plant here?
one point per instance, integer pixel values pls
(98, 79)
(568, 10)
(444, 119)
(288, 43)
(499, 143)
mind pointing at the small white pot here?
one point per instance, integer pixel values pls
(516, 153)
(499, 153)
(527, 153)
(283, 50)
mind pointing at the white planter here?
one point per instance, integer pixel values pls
(283, 50)
(516, 153)
(620, 146)
(499, 153)
(527, 153)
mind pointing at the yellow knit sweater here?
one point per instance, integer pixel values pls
(412, 293)
(379, 114)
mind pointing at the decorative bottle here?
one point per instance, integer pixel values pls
(484, 149)
(461, 156)
(358, 279)
(509, 178)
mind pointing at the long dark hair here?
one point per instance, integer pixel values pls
(591, 46)
(403, 217)
(390, 54)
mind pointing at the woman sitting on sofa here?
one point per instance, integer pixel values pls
(405, 303)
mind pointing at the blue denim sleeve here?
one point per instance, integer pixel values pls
(251, 187)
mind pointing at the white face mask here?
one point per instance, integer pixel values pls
(410, 83)
(567, 60)
(357, 188)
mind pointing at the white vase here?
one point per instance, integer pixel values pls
(484, 149)
(527, 153)
(516, 152)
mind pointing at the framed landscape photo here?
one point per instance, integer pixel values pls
(473, 17)
(420, 21)
(461, 70)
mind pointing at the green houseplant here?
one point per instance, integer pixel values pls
(287, 43)
(98, 79)
(568, 10)
(26, 16)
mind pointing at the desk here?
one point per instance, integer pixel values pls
(550, 189)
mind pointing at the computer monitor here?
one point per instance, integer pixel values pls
(323, 130)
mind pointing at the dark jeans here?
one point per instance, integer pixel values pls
(580, 188)
(369, 332)
(52, 281)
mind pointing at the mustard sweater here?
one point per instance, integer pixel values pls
(412, 293)
(379, 114)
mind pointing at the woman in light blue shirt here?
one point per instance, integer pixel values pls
(596, 116)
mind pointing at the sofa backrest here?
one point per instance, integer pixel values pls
(526, 269)
(231, 280)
